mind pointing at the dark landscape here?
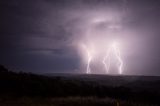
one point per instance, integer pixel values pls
(26, 89)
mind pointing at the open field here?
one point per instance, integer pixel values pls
(68, 101)
(26, 89)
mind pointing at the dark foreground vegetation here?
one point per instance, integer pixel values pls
(26, 89)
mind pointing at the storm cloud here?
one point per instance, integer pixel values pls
(43, 36)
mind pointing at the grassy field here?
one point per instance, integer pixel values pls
(27, 89)
(68, 101)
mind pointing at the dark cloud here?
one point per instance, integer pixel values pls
(42, 34)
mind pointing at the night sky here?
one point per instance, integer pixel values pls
(43, 36)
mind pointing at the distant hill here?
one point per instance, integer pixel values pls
(111, 80)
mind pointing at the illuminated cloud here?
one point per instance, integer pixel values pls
(52, 31)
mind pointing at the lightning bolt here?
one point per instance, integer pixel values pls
(89, 55)
(89, 61)
(106, 61)
(107, 58)
(117, 53)
(113, 49)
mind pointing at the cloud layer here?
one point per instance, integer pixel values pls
(45, 35)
